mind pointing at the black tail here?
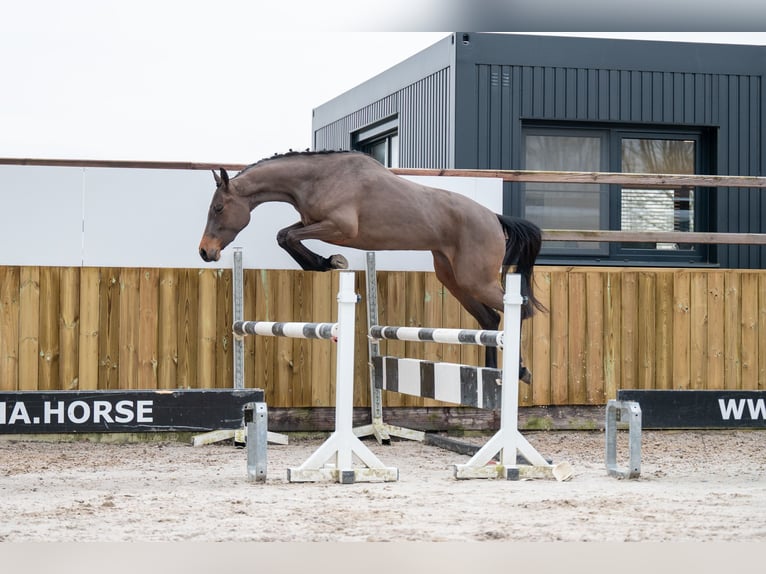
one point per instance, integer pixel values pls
(523, 240)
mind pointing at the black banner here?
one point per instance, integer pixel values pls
(124, 411)
(699, 409)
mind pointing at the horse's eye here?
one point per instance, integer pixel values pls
(218, 208)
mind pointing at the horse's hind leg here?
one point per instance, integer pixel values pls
(486, 316)
(290, 239)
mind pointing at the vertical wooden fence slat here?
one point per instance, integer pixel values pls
(264, 346)
(612, 334)
(148, 328)
(224, 356)
(69, 328)
(559, 310)
(433, 298)
(646, 329)
(732, 326)
(663, 346)
(50, 307)
(595, 391)
(9, 328)
(188, 297)
(761, 331)
(167, 330)
(414, 293)
(128, 332)
(284, 383)
(525, 353)
(90, 285)
(577, 334)
(698, 344)
(451, 317)
(716, 336)
(749, 330)
(322, 301)
(540, 328)
(470, 354)
(303, 311)
(207, 305)
(109, 330)
(29, 328)
(250, 290)
(629, 348)
(681, 330)
(392, 292)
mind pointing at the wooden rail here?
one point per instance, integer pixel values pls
(644, 180)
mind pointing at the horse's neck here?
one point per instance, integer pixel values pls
(264, 184)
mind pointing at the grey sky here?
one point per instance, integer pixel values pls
(189, 81)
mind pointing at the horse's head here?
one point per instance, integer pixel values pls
(228, 215)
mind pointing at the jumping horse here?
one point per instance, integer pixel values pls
(349, 199)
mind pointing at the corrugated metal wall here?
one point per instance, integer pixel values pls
(507, 96)
(423, 109)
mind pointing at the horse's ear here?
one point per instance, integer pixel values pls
(221, 179)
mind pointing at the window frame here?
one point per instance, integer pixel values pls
(617, 253)
(386, 130)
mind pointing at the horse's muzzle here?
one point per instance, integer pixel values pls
(209, 254)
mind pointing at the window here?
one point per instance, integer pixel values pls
(601, 206)
(567, 205)
(381, 141)
(657, 209)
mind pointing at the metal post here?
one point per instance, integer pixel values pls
(257, 438)
(238, 313)
(630, 411)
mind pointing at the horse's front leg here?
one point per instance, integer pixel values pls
(290, 239)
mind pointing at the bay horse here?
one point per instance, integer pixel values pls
(349, 199)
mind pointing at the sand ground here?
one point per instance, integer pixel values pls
(694, 486)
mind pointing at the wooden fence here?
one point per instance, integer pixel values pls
(607, 328)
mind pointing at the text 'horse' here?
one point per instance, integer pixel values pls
(351, 200)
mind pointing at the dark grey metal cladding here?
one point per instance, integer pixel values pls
(502, 81)
(423, 113)
(475, 91)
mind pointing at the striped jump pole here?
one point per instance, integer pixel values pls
(464, 384)
(334, 459)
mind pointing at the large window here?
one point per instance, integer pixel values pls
(381, 141)
(600, 206)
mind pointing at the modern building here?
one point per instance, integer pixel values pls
(523, 102)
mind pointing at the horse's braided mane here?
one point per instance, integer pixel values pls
(292, 153)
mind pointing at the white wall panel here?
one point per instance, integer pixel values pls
(155, 218)
(40, 216)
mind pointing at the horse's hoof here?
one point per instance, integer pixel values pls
(338, 262)
(525, 376)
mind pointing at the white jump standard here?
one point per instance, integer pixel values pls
(334, 459)
(463, 384)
